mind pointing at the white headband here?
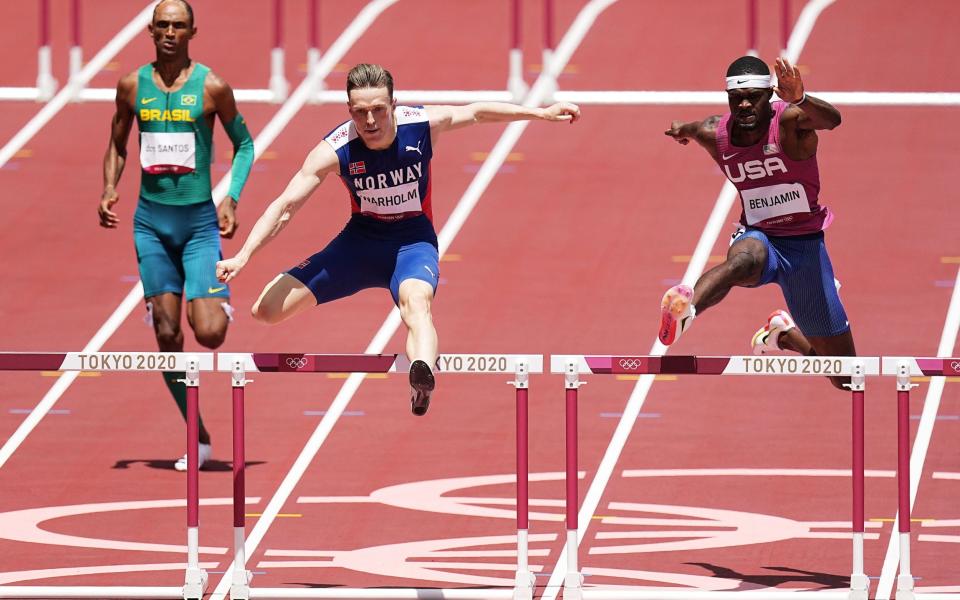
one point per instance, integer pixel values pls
(748, 81)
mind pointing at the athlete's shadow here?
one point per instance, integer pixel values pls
(750, 582)
(212, 464)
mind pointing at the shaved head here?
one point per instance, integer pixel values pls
(186, 6)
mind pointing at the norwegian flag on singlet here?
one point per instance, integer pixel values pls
(357, 168)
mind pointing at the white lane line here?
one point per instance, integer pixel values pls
(266, 137)
(701, 254)
(65, 95)
(539, 92)
(921, 442)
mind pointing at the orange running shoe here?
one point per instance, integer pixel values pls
(676, 313)
(766, 339)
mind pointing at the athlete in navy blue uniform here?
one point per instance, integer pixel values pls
(383, 157)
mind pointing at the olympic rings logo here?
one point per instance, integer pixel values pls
(296, 363)
(630, 364)
(955, 365)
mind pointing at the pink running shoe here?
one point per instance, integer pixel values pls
(676, 313)
(766, 339)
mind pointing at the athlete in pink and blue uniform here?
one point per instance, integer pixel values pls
(768, 151)
(382, 155)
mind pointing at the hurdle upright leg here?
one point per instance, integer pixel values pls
(859, 584)
(905, 579)
(196, 578)
(573, 582)
(524, 582)
(240, 583)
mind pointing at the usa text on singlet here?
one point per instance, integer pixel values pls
(778, 195)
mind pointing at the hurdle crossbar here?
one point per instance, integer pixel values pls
(572, 366)
(519, 365)
(191, 364)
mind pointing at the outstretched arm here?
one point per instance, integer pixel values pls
(116, 156)
(234, 125)
(445, 118)
(703, 132)
(807, 113)
(321, 161)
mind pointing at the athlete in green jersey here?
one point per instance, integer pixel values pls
(177, 227)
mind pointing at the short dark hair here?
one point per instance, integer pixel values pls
(369, 76)
(748, 65)
(186, 5)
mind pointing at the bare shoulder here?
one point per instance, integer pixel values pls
(322, 159)
(127, 86)
(217, 86)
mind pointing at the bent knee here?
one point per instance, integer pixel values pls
(417, 303)
(168, 334)
(211, 337)
(267, 312)
(745, 265)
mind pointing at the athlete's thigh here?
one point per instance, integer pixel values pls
(416, 261)
(810, 289)
(755, 244)
(201, 253)
(348, 264)
(284, 297)
(158, 262)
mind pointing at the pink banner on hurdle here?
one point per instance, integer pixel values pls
(44, 361)
(324, 363)
(657, 365)
(939, 366)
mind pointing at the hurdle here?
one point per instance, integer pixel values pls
(192, 364)
(904, 368)
(518, 365)
(752, 17)
(572, 366)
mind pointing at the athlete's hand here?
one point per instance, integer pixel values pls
(227, 217)
(562, 111)
(229, 268)
(789, 84)
(676, 132)
(108, 218)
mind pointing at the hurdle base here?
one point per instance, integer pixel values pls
(523, 586)
(240, 586)
(195, 584)
(905, 587)
(859, 587)
(573, 586)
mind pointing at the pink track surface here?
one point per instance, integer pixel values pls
(568, 252)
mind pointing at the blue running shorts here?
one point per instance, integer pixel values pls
(363, 256)
(178, 247)
(801, 267)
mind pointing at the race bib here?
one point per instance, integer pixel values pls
(162, 152)
(390, 201)
(761, 204)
